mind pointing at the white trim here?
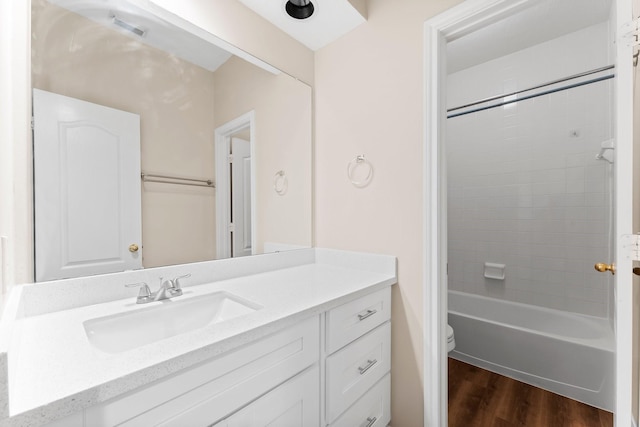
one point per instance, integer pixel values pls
(223, 197)
(623, 107)
(435, 279)
(454, 23)
(472, 15)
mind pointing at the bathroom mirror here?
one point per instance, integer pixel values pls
(187, 92)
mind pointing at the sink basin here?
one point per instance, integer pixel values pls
(125, 331)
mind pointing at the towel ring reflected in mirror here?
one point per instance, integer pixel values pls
(280, 183)
(356, 163)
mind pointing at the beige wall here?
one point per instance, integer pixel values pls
(368, 87)
(282, 107)
(15, 146)
(76, 57)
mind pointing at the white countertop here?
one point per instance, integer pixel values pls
(54, 371)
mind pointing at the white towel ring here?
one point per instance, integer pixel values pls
(280, 183)
(359, 160)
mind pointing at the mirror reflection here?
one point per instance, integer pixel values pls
(211, 134)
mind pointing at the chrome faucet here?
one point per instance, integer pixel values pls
(168, 289)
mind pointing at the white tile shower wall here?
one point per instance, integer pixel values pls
(524, 187)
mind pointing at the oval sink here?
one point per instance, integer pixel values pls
(125, 331)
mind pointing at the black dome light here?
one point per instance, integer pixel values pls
(299, 9)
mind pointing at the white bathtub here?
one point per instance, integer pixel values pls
(568, 354)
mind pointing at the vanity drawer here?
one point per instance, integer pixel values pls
(371, 410)
(353, 319)
(209, 392)
(355, 369)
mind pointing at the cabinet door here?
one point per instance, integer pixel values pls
(294, 403)
(356, 368)
(211, 391)
(371, 410)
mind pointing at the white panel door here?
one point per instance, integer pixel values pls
(87, 188)
(241, 196)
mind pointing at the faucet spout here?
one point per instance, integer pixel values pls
(167, 290)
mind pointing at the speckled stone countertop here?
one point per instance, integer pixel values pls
(54, 371)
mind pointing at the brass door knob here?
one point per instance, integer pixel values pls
(636, 271)
(133, 247)
(605, 267)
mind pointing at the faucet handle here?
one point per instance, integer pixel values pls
(176, 281)
(145, 293)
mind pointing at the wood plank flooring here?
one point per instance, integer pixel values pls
(479, 398)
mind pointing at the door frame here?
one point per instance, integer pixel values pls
(623, 282)
(240, 199)
(454, 23)
(223, 195)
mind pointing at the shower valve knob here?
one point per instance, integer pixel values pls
(605, 267)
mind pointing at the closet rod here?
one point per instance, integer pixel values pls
(564, 79)
(535, 95)
(166, 179)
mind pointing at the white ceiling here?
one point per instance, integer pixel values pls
(330, 20)
(547, 20)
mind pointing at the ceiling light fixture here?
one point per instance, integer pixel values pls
(299, 9)
(128, 27)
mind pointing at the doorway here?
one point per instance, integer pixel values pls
(235, 187)
(450, 26)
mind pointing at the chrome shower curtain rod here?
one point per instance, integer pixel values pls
(546, 92)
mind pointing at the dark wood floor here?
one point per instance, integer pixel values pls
(479, 398)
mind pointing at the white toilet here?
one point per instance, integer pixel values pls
(451, 339)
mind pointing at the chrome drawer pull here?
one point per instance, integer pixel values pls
(369, 313)
(368, 366)
(371, 421)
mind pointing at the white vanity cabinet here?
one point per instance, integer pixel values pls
(278, 380)
(215, 389)
(209, 392)
(312, 351)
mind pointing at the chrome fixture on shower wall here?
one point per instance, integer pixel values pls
(299, 9)
(606, 151)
